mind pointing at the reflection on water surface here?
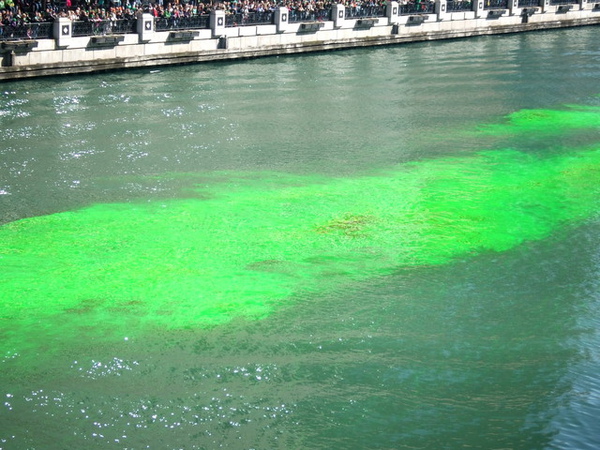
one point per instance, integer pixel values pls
(191, 259)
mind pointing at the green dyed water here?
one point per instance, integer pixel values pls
(253, 242)
(204, 263)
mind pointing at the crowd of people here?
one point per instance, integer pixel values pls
(19, 12)
(16, 13)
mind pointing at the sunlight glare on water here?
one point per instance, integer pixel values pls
(379, 248)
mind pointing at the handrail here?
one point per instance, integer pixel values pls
(528, 3)
(103, 27)
(359, 12)
(31, 30)
(250, 18)
(199, 22)
(460, 5)
(310, 16)
(417, 7)
(495, 4)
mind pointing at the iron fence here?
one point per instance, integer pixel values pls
(103, 27)
(417, 8)
(250, 18)
(495, 4)
(359, 12)
(199, 22)
(528, 3)
(310, 16)
(459, 5)
(33, 30)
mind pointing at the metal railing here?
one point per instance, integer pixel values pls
(33, 30)
(359, 12)
(495, 4)
(310, 16)
(417, 8)
(564, 2)
(528, 3)
(182, 23)
(103, 27)
(250, 18)
(459, 5)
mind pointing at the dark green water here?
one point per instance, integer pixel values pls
(383, 248)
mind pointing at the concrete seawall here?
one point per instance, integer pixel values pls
(66, 54)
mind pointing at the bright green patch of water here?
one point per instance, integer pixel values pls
(571, 118)
(249, 242)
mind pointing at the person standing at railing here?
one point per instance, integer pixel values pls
(2, 21)
(90, 10)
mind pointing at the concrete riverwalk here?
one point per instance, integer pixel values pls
(63, 52)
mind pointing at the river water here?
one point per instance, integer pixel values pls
(377, 248)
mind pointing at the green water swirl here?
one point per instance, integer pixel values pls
(249, 242)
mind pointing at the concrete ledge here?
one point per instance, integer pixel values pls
(106, 41)
(18, 46)
(59, 61)
(366, 23)
(310, 27)
(563, 8)
(416, 20)
(529, 11)
(250, 30)
(266, 29)
(496, 13)
(182, 35)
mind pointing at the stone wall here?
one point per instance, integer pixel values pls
(66, 54)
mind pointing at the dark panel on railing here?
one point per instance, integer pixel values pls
(564, 2)
(182, 23)
(495, 4)
(528, 3)
(250, 18)
(460, 5)
(358, 12)
(103, 27)
(39, 30)
(310, 16)
(417, 7)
